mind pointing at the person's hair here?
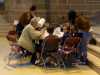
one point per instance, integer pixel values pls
(33, 8)
(72, 16)
(83, 23)
(50, 30)
(33, 20)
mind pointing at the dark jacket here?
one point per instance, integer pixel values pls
(23, 21)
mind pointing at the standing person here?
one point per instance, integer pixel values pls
(83, 26)
(25, 19)
(66, 30)
(72, 14)
(29, 34)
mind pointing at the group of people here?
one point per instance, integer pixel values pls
(29, 34)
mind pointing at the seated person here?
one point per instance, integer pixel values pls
(68, 30)
(12, 37)
(50, 47)
(51, 39)
(69, 42)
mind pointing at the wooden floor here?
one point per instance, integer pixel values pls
(33, 70)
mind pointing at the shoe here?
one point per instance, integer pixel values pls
(37, 62)
(83, 63)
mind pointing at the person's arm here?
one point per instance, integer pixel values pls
(35, 34)
(44, 33)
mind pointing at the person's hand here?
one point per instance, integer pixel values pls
(43, 30)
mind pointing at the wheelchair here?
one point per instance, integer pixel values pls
(69, 49)
(50, 55)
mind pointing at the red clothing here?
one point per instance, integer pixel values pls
(11, 36)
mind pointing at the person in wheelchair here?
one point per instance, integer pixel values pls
(69, 44)
(49, 48)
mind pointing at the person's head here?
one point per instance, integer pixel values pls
(83, 23)
(34, 22)
(50, 30)
(66, 27)
(33, 10)
(72, 16)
